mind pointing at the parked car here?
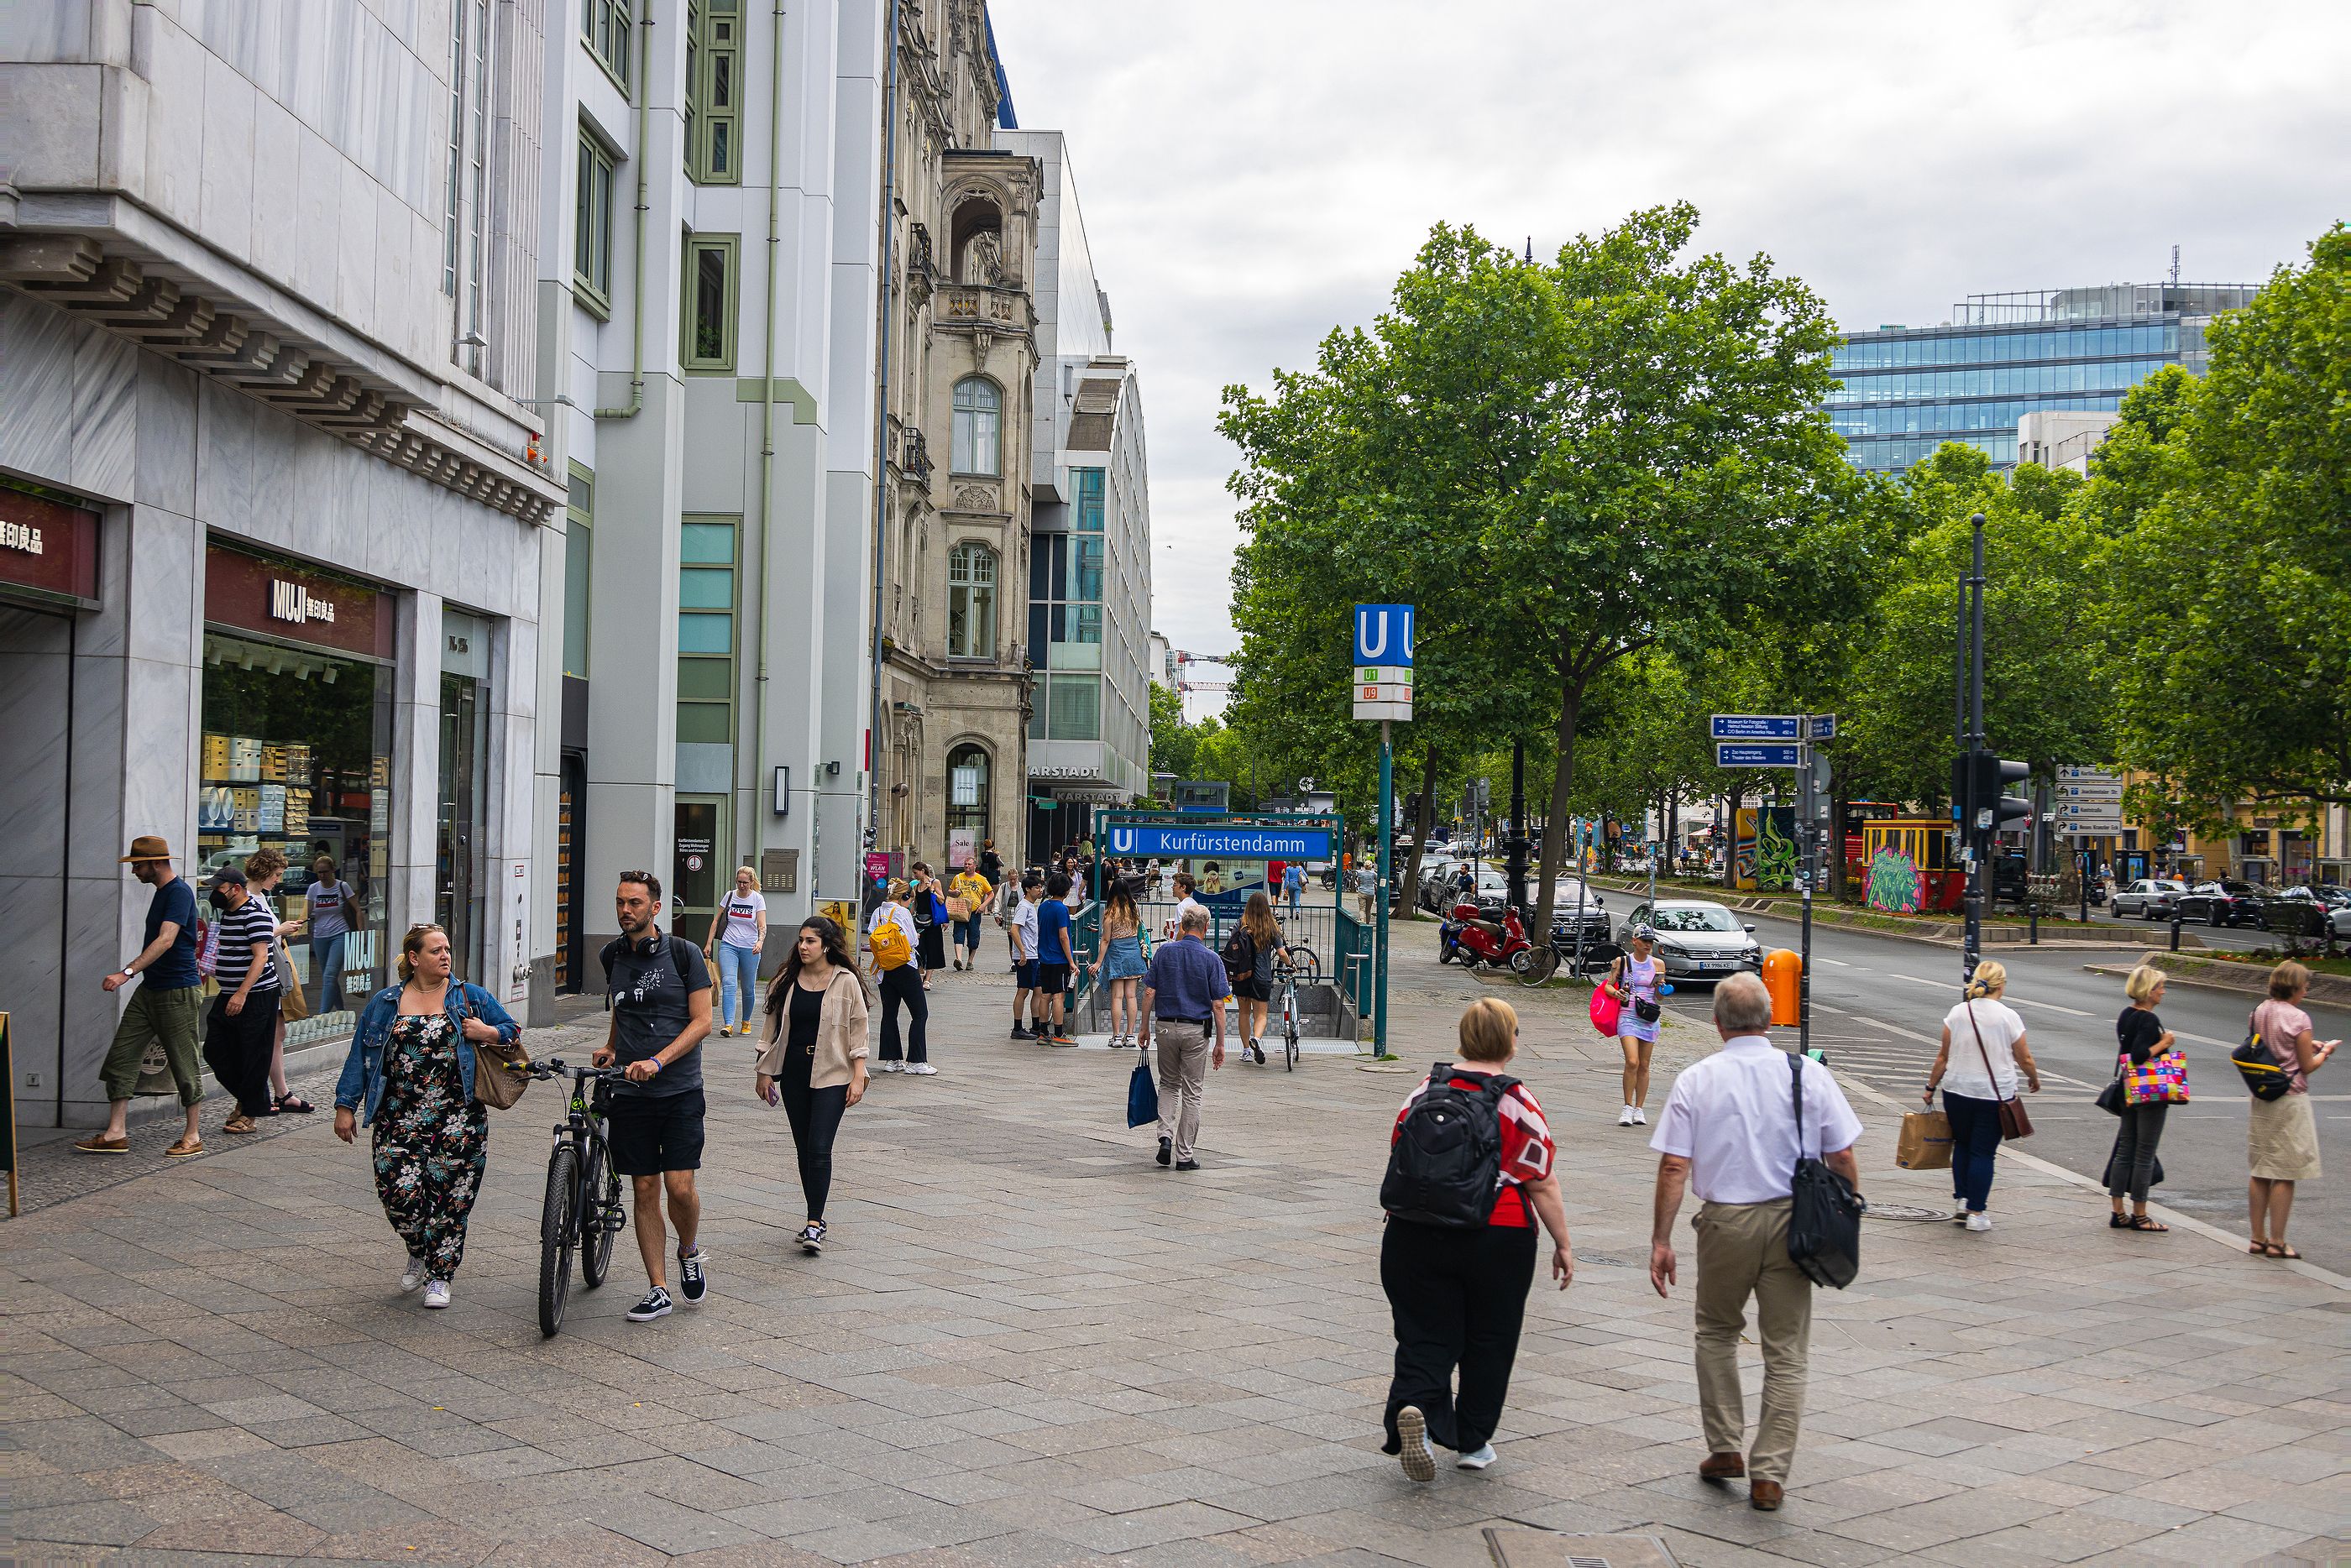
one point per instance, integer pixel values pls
(2227, 902)
(1698, 940)
(2332, 904)
(1599, 935)
(2149, 899)
(2009, 872)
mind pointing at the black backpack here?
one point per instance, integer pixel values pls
(1445, 1166)
(1240, 957)
(1824, 1219)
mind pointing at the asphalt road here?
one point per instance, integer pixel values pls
(2240, 938)
(1879, 1003)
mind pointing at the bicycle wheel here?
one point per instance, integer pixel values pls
(602, 1186)
(559, 1234)
(1290, 1034)
(1533, 966)
(1303, 959)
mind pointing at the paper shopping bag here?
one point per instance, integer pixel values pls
(1926, 1143)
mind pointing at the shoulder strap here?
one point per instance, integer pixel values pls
(1796, 1095)
(1978, 1030)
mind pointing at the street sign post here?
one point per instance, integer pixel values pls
(1742, 755)
(1756, 727)
(1785, 740)
(1383, 660)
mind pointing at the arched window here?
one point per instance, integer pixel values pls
(978, 417)
(967, 792)
(971, 602)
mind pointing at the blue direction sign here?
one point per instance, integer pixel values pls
(1227, 842)
(1821, 727)
(1730, 755)
(1755, 727)
(1383, 635)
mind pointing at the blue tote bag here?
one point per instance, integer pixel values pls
(1141, 1096)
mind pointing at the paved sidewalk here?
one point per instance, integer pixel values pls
(1027, 1344)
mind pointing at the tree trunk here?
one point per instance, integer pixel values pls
(1571, 703)
(1424, 818)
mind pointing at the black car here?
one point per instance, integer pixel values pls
(1599, 938)
(2224, 903)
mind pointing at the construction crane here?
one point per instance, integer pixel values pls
(1183, 683)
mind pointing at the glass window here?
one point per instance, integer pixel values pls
(707, 543)
(1076, 707)
(698, 633)
(705, 679)
(1085, 578)
(707, 338)
(604, 28)
(706, 587)
(967, 792)
(591, 226)
(713, 67)
(971, 602)
(978, 414)
(456, 169)
(577, 555)
(1086, 516)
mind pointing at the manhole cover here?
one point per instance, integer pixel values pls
(1906, 1211)
(1604, 1261)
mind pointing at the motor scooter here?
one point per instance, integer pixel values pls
(1468, 937)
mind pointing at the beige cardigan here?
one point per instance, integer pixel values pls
(840, 1033)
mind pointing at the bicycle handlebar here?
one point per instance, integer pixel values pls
(555, 1067)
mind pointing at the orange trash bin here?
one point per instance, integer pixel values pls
(1783, 975)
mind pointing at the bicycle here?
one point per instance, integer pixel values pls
(582, 1211)
(1286, 974)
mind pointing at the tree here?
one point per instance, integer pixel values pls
(1174, 742)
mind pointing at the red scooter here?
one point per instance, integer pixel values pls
(1469, 937)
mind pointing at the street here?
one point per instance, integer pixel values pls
(1880, 1002)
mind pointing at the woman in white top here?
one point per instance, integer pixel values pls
(736, 937)
(1982, 1055)
(902, 986)
(1637, 981)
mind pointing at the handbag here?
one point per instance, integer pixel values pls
(2158, 1080)
(1824, 1213)
(2258, 1065)
(500, 1076)
(1141, 1096)
(292, 1005)
(1607, 1010)
(2013, 1123)
(2110, 1098)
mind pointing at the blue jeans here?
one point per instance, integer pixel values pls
(966, 933)
(737, 967)
(1975, 1142)
(326, 968)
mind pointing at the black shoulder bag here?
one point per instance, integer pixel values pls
(1825, 1218)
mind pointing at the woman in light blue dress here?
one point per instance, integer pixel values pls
(1637, 981)
(1122, 963)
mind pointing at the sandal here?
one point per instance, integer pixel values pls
(2280, 1250)
(290, 1101)
(238, 1124)
(2259, 1248)
(2144, 1223)
(2116, 1221)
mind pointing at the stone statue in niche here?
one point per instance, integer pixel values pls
(983, 260)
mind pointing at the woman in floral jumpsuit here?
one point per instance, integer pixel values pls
(411, 1068)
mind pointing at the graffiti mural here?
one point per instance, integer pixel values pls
(1895, 884)
(1764, 855)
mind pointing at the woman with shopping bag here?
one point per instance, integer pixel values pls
(2150, 1074)
(1982, 1055)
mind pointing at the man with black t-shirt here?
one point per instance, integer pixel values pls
(660, 990)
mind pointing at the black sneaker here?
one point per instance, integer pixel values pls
(1020, 1033)
(655, 1304)
(691, 1282)
(1187, 1165)
(811, 1239)
(1166, 1150)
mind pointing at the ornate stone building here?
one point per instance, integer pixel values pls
(962, 357)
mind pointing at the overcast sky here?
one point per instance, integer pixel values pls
(1255, 173)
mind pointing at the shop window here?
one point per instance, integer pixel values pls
(604, 28)
(712, 85)
(978, 418)
(971, 602)
(591, 227)
(707, 337)
(579, 552)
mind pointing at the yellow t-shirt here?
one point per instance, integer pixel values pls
(970, 885)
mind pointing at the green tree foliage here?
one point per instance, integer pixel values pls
(1174, 742)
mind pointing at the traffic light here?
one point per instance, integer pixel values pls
(1992, 775)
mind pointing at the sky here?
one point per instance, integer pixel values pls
(1253, 175)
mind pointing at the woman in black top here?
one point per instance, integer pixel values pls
(813, 1063)
(2141, 1036)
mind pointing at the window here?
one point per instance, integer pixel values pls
(580, 517)
(452, 222)
(979, 415)
(968, 789)
(591, 226)
(1072, 707)
(480, 163)
(713, 84)
(971, 602)
(706, 631)
(604, 28)
(707, 337)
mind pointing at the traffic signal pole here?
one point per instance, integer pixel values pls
(1974, 811)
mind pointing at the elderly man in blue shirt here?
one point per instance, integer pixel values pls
(1184, 997)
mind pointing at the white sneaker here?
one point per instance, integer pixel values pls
(1625, 1117)
(436, 1293)
(1477, 1458)
(1978, 1222)
(413, 1277)
(1411, 1432)
(1640, 1117)
(922, 1069)
(890, 1067)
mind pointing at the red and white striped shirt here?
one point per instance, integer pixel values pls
(1526, 1147)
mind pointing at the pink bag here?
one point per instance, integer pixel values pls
(1606, 1009)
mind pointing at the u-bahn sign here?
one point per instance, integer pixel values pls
(1175, 841)
(1382, 657)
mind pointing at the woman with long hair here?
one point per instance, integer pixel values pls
(928, 901)
(410, 1075)
(1121, 962)
(1637, 980)
(734, 943)
(1253, 987)
(814, 1061)
(901, 984)
(1983, 1052)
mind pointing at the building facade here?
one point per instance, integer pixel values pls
(275, 528)
(951, 685)
(1906, 391)
(705, 303)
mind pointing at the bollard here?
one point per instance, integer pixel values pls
(1783, 977)
(2175, 933)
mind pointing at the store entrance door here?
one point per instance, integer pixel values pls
(464, 808)
(697, 877)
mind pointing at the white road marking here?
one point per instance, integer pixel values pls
(1922, 980)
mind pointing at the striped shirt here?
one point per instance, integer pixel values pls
(240, 927)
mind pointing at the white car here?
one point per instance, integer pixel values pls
(2149, 898)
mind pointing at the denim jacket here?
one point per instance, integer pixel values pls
(361, 1089)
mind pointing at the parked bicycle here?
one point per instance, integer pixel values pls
(582, 1211)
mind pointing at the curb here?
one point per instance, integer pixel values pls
(2230, 975)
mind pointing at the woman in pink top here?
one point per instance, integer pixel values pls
(2281, 1137)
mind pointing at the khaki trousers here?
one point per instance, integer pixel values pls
(1182, 1074)
(171, 1016)
(1743, 1250)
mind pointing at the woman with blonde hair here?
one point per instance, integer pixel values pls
(2282, 1136)
(2140, 1037)
(410, 1075)
(734, 940)
(1976, 1075)
(1259, 942)
(1458, 1292)
(1122, 963)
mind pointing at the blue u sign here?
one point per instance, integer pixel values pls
(1383, 635)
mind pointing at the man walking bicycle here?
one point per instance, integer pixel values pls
(1184, 994)
(165, 1009)
(660, 989)
(1729, 1133)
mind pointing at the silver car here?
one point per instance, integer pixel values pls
(1698, 940)
(2149, 898)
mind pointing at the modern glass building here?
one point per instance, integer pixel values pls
(1906, 391)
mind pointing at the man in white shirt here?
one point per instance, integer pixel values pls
(1023, 927)
(1186, 904)
(1728, 1132)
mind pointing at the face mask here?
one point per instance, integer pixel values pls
(219, 899)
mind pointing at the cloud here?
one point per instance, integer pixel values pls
(1255, 174)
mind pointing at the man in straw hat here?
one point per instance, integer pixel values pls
(166, 1007)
